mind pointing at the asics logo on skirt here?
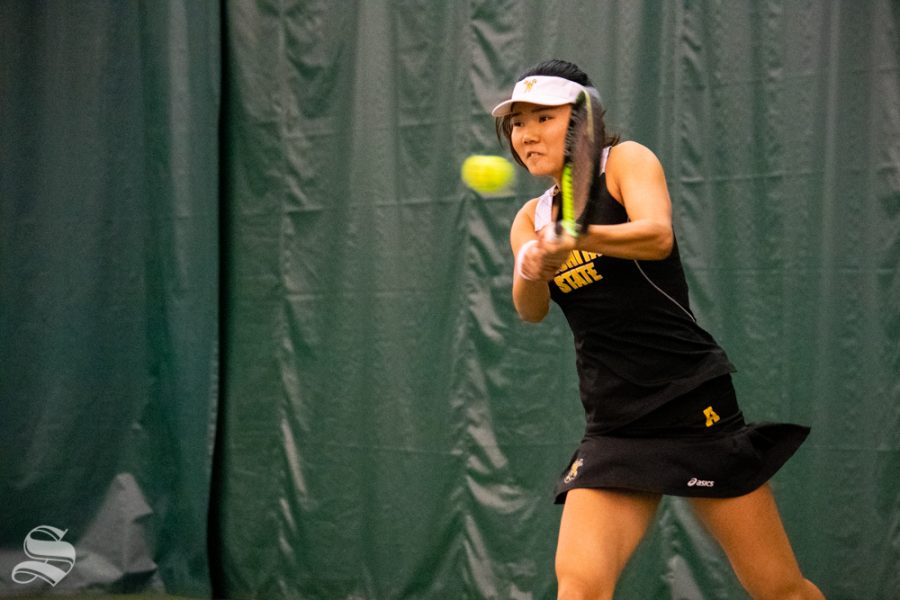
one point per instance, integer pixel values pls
(700, 482)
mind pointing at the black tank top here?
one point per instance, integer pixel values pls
(637, 342)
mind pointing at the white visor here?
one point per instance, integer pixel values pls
(540, 89)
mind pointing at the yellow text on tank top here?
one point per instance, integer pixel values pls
(577, 272)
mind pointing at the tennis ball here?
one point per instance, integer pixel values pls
(487, 174)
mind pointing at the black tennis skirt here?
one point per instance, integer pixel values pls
(697, 445)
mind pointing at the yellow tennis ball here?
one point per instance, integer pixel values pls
(487, 174)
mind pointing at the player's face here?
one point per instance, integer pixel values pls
(538, 136)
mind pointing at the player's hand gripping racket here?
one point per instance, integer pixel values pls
(584, 144)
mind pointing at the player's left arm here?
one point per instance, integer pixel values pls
(635, 177)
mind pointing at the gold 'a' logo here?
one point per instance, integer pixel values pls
(711, 416)
(573, 472)
(529, 83)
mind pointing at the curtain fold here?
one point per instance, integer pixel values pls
(109, 290)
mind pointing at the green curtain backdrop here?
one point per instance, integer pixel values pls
(109, 319)
(243, 224)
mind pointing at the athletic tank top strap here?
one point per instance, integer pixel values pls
(543, 211)
(603, 158)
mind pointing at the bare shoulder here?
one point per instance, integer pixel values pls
(629, 162)
(527, 210)
(523, 225)
(628, 154)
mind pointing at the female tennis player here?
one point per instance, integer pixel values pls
(662, 416)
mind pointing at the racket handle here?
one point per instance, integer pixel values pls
(553, 232)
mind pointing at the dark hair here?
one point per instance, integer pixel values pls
(551, 68)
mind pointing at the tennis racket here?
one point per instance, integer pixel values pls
(584, 144)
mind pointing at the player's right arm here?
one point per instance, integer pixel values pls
(531, 295)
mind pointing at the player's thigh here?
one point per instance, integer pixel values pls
(750, 531)
(599, 531)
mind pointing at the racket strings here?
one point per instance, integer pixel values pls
(584, 140)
